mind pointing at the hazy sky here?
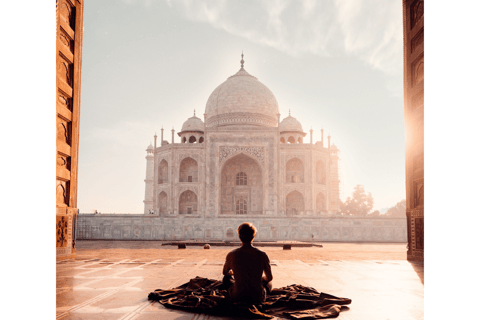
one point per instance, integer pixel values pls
(336, 65)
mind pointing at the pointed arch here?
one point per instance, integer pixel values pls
(163, 172)
(320, 172)
(295, 203)
(162, 202)
(187, 203)
(192, 139)
(282, 140)
(188, 170)
(62, 198)
(320, 202)
(291, 139)
(241, 185)
(294, 171)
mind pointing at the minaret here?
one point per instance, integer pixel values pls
(154, 172)
(173, 135)
(334, 194)
(322, 136)
(311, 135)
(148, 202)
(328, 141)
(161, 137)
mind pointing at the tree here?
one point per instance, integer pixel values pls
(375, 213)
(359, 204)
(399, 210)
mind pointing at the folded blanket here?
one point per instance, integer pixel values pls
(202, 295)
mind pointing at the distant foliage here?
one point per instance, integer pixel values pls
(359, 204)
(399, 210)
(374, 214)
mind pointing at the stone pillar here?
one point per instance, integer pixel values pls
(413, 85)
(329, 142)
(173, 135)
(322, 136)
(161, 137)
(149, 182)
(311, 136)
(68, 55)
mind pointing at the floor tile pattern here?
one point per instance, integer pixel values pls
(118, 289)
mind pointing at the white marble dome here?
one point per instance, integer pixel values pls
(150, 147)
(290, 124)
(242, 100)
(193, 124)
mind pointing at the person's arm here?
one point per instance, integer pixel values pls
(268, 270)
(227, 269)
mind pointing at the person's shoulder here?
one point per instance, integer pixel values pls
(261, 252)
(233, 252)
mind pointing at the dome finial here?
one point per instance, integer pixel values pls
(289, 112)
(194, 112)
(241, 61)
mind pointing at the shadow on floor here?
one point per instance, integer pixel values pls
(418, 267)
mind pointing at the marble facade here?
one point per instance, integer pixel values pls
(241, 163)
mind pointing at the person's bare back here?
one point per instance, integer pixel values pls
(247, 264)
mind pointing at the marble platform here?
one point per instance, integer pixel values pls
(118, 288)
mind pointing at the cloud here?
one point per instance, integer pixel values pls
(370, 30)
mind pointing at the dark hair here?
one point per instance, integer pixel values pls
(246, 232)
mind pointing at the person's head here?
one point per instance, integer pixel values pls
(246, 232)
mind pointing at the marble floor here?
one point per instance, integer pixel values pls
(117, 288)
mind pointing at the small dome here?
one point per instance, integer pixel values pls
(150, 147)
(290, 124)
(193, 124)
(333, 147)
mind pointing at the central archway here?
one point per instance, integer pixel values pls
(241, 186)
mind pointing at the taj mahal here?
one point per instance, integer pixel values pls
(241, 162)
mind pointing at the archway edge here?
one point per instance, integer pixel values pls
(230, 157)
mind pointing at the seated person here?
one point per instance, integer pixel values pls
(247, 265)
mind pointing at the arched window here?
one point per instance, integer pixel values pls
(162, 202)
(230, 233)
(320, 202)
(282, 140)
(320, 177)
(295, 203)
(294, 171)
(187, 203)
(300, 140)
(188, 170)
(163, 172)
(192, 139)
(241, 179)
(291, 139)
(200, 140)
(241, 206)
(184, 139)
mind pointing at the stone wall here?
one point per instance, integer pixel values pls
(154, 227)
